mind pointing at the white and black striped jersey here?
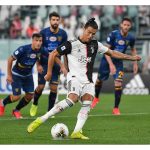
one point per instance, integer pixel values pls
(81, 57)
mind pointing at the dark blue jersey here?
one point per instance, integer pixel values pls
(51, 41)
(25, 57)
(119, 42)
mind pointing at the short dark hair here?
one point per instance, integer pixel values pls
(54, 14)
(91, 23)
(126, 19)
(38, 35)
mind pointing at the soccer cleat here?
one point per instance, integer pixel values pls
(116, 111)
(94, 102)
(33, 110)
(2, 109)
(35, 124)
(78, 135)
(17, 114)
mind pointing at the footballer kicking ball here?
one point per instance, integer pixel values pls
(59, 131)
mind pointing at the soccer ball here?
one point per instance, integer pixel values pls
(59, 131)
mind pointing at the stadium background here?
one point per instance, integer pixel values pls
(17, 23)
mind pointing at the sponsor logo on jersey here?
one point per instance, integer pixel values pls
(84, 59)
(136, 87)
(33, 56)
(121, 42)
(53, 39)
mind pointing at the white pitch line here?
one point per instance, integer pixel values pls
(98, 115)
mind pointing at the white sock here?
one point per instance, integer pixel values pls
(59, 107)
(82, 115)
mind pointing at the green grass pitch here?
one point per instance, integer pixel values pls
(131, 127)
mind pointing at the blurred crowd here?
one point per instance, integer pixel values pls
(23, 21)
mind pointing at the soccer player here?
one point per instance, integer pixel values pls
(81, 55)
(20, 76)
(53, 37)
(117, 40)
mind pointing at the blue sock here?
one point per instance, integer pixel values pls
(52, 98)
(118, 94)
(36, 97)
(21, 104)
(7, 100)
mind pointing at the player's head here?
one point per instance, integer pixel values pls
(90, 29)
(54, 19)
(36, 41)
(125, 25)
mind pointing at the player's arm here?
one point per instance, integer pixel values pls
(39, 66)
(9, 67)
(111, 65)
(122, 56)
(135, 64)
(62, 66)
(51, 60)
(61, 50)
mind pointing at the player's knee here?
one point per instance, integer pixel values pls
(53, 88)
(98, 82)
(40, 88)
(29, 96)
(118, 83)
(73, 97)
(15, 97)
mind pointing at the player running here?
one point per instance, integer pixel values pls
(20, 76)
(53, 36)
(81, 55)
(117, 40)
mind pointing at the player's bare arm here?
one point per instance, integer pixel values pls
(122, 56)
(62, 66)
(9, 67)
(51, 61)
(135, 65)
(111, 65)
(39, 67)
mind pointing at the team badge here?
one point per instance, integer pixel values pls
(17, 90)
(59, 38)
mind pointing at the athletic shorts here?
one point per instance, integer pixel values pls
(24, 83)
(55, 75)
(74, 86)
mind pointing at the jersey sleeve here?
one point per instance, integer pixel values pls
(65, 48)
(132, 43)
(18, 52)
(65, 37)
(110, 39)
(101, 48)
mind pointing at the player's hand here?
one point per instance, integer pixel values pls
(136, 58)
(112, 69)
(64, 70)
(135, 67)
(40, 69)
(48, 76)
(9, 79)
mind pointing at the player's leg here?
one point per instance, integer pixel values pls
(53, 86)
(103, 74)
(118, 90)
(28, 88)
(86, 99)
(38, 92)
(16, 90)
(72, 98)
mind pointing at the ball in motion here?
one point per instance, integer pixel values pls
(59, 131)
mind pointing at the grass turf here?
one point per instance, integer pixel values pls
(131, 127)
